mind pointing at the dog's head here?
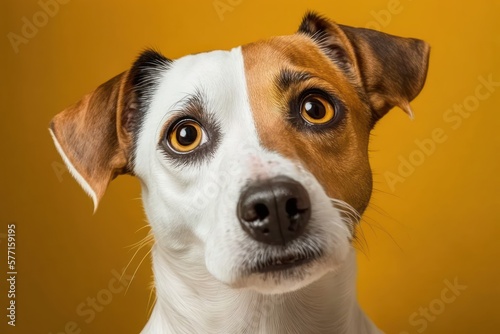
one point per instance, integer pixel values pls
(254, 161)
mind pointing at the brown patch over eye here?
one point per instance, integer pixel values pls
(306, 109)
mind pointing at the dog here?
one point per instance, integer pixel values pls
(254, 170)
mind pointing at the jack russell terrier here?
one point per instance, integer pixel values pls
(254, 171)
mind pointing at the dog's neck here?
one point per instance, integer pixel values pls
(192, 301)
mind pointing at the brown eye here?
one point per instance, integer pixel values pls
(185, 136)
(316, 110)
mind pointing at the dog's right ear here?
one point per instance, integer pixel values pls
(392, 69)
(95, 137)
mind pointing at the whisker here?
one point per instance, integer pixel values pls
(150, 308)
(135, 272)
(377, 227)
(353, 219)
(360, 241)
(149, 238)
(140, 228)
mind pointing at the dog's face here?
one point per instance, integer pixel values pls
(254, 162)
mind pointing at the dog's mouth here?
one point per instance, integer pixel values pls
(282, 263)
(278, 263)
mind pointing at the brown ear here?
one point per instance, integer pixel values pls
(95, 137)
(391, 69)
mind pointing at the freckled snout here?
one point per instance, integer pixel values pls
(274, 211)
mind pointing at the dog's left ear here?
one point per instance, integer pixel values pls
(92, 136)
(95, 136)
(391, 69)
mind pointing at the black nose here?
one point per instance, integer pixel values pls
(274, 211)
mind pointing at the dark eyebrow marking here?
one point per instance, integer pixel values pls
(287, 78)
(190, 106)
(193, 104)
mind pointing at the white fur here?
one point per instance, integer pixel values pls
(200, 247)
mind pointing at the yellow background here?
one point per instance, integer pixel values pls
(441, 224)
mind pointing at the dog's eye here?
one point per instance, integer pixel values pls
(316, 110)
(185, 136)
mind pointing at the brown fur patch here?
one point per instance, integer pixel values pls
(337, 157)
(91, 134)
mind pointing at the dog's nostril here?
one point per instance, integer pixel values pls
(291, 208)
(262, 211)
(265, 231)
(294, 212)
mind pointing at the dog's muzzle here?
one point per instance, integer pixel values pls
(274, 211)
